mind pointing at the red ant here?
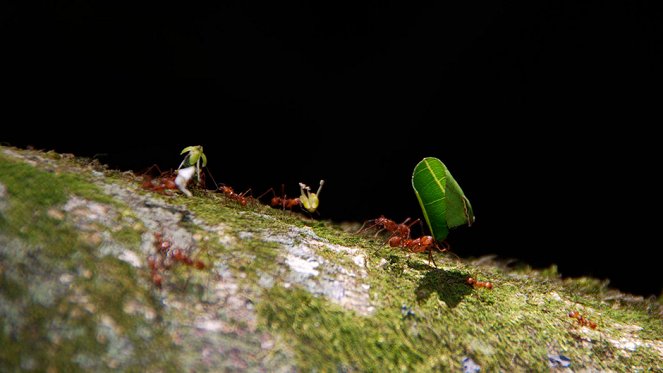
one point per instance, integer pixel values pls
(401, 230)
(230, 193)
(581, 320)
(423, 244)
(284, 202)
(480, 284)
(401, 236)
(163, 259)
(418, 245)
(165, 180)
(182, 257)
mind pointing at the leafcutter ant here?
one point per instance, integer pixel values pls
(401, 230)
(479, 284)
(582, 321)
(165, 180)
(418, 245)
(230, 193)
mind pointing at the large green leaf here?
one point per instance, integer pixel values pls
(429, 181)
(442, 200)
(459, 209)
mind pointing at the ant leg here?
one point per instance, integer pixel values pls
(409, 226)
(430, 258)
(152, 167)
(378, 232)
(268, 190)
(389, 239)
(444, 246)
(403, 224)
(367, 228)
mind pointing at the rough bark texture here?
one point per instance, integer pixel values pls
(97, 273)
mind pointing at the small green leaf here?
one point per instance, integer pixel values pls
(429, 181)
(187, 149)
(442, 200)
(204, 159)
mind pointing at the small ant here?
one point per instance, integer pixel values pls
(480, 284)
(182, 257)
(581, 320)
(164, 257)
(230, 193)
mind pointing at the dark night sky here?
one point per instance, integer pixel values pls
(539, 110)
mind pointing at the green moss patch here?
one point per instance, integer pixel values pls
(63, 307)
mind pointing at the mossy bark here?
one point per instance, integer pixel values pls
(98, 274)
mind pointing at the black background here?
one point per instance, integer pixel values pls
(541, 111)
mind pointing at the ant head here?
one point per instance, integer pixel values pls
(395, 241)
(427, 240)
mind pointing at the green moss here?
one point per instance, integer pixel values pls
(67, 336)
(114, 288)
(129, 236)
(331, 232)
(31, 192)
(514, 326)
(52, 327)
(329, 338)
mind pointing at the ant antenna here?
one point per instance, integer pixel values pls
(283, 198)
(216, 186)
(267, 191)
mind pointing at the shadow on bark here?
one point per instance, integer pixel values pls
(450, 286)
